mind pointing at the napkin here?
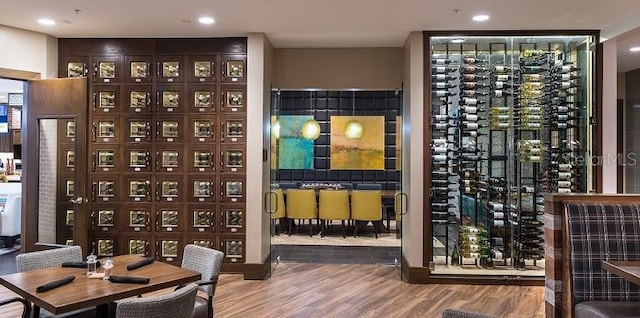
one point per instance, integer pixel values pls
(143, 262)
(54, 284)
(129, 279)
(78, 264)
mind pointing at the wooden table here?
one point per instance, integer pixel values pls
(629, 270)
(84, 292)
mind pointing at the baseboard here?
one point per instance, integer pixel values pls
(258, 271)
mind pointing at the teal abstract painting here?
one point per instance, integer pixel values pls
(294, 151)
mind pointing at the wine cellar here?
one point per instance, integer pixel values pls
(166, 146)
(508, 120)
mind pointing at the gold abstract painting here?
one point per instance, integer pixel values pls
(357, 142)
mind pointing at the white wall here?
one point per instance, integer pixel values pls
(259, 68)
(412, 143)
(29, 51)
(609, 114)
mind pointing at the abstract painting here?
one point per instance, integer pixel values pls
(294, 151)
(363, 150)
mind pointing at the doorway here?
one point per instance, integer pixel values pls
(347, 140)
(11, 102)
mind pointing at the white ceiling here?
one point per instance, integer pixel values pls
(315, 23)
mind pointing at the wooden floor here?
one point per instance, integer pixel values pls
(319, 290)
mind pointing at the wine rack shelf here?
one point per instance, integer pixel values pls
(508, 122)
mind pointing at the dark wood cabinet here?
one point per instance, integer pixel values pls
(167, 144)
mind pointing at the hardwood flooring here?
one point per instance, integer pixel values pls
(334, 290)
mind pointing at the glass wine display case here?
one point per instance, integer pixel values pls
(509, 120)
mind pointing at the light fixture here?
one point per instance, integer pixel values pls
(635, 49)
(480, 18)
(46, 22)
(353, 130)
(458, 40)
(311, 129)
(206, 20)
(275, 129)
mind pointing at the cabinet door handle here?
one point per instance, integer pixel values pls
(221, 161)
(157, 161)
(93, 162)
(94, 101)
(94, 131)
(402, 198)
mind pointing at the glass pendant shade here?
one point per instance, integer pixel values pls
(311, 129)
(353, 130)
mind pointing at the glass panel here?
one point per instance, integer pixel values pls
(509, 122)
(49, 154)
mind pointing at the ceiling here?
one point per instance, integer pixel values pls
(316, 23)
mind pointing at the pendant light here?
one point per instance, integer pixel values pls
(311, 129)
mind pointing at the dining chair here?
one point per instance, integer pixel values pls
(459, 313)
(366, 205)
(334, 205)
(177, 304)
(278, 207)
(301, 204)
(26, 262)
(26, 306)
(47, 259)
(207, 262)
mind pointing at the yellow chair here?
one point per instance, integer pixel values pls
(301, 204)
(366, 205)
(278, 207)
(334, 205)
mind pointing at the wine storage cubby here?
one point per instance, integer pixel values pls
(166, 146)
(509, 119)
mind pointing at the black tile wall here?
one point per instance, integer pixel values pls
(324, 104)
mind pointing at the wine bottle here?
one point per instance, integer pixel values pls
(443, 85)
(455, 255)
(564, 85)
(441, 61)
(533, 68)
(471, 109)
(503, 84)
(440, 150)
(444, 69)
(472, 133)
(502, 77)
(497, 214)
(473, 93)
(443, 93)
(565, 69)
(471, 101)
(564, 125)
(532, 77)
(496, 206)
(474, 77)
(473, 60)
(564, 77)
(471, 69)
(442, 117)
(474, 85)
(470, 117)
(443, 77)
(442, 126)
(501, 69)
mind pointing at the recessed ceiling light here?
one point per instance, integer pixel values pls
(46, 22)
(458, 40)
(635, 49)
(480, 18)
(206, 20)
